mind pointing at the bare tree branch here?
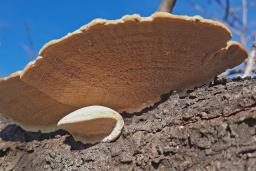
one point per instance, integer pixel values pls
(167, 5)
(244, 21)
(250, 62)
(226, 10)
(235, 72)
(226, 6)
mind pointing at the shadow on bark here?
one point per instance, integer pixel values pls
(76, 145)
(15, 133)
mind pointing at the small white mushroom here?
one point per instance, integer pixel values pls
(93, 124)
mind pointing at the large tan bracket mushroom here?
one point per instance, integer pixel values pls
(27, 106)
(127, 64)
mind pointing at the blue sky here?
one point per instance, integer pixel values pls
(51, 19)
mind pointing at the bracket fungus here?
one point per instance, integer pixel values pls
(28, 107)
(127, 64)
(93, 124)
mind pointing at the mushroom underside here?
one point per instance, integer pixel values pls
(128, 64)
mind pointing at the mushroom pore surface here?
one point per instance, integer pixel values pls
(27, 106)
(127, 64)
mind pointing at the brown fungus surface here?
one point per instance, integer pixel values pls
(127, 64)
(27, 106)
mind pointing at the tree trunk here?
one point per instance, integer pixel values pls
(210, 128)
(167, 5)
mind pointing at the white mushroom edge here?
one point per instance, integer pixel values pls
(91, 113)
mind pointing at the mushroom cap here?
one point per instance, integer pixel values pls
(27, 106)
(127, 64)
(93, 124)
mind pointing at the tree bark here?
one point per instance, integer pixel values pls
(210, 128)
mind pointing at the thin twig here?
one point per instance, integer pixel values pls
(235, 72)
(231, 13)
(226, 6)
(250, 62)
(244, 20)
(226, 10)
(30, 48)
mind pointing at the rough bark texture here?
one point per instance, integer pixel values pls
(210, 128)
